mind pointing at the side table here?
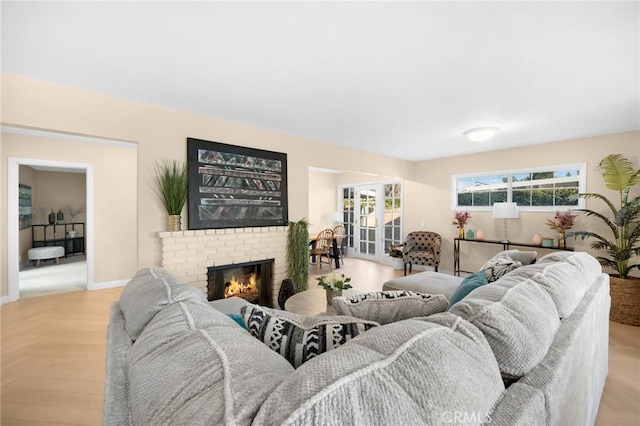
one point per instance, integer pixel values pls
(313, 302)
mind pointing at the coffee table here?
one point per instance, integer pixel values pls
(313, 302)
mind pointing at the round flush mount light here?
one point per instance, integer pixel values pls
(480, 134)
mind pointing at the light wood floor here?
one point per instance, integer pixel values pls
(53, 356)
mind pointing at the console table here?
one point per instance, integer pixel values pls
(505, 246)
(57, 234)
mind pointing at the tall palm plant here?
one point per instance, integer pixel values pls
(172, 186)
(618, 175)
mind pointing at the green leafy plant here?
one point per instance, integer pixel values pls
(298, 254)
(396, 250)
(334, 282)
(618, 175)
(172, 185)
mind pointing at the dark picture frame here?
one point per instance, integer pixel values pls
(25, 212)
(234, 186)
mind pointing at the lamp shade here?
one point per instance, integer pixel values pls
(505, 211)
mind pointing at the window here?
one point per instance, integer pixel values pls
(538, 189)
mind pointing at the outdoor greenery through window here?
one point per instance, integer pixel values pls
(543, 189)
(392, 217)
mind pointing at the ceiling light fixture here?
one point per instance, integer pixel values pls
(480, 134)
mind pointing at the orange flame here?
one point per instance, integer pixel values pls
(236, 287)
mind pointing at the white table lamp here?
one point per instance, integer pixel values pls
(505, 211)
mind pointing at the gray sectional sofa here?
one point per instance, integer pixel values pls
(528, 349)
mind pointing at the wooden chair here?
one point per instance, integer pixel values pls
(339, 234)
(322, 248)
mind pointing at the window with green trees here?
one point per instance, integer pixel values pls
(538, 189)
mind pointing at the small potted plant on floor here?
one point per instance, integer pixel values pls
(395, 253)
(334, 284)
(623, 241)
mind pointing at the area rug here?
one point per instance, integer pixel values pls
(51, 278)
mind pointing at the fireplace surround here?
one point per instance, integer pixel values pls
(188, 254)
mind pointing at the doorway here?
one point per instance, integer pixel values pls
(13, 250)
(372, 215)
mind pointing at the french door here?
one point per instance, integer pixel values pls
(372, 218)
(366, 225)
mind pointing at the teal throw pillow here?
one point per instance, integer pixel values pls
(470, 283)
(237, 318)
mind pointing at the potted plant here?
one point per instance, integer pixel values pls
(622, 243)
(172, 186)
(460, 220)
(298, 254)
(334, 284)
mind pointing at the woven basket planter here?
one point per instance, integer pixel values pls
(625, 301)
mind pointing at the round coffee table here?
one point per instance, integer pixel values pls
(313, 302)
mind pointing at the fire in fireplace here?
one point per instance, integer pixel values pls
(250, 281)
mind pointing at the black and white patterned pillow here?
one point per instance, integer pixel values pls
(298, 338)
(495, 268)
(385, 307)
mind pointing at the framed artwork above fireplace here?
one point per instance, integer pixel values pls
(234, 186)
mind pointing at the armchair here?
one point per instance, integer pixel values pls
(421, 248)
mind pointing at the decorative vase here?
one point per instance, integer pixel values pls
(461, 232)
(479, 235)
(173, 222)
(562, 242)
(52, 217)
(470, 235)
(397, 263)
(537, 239)
(625, 293)
(60, 216)
(331, 294)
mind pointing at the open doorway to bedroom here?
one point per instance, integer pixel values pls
(52, 230)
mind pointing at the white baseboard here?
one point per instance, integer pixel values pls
(4, 299)
(108, 284)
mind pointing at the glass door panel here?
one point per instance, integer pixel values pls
(368, 220)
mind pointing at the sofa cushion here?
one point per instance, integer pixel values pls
(193, 365)
(564, 276)
(298, 338)
(469, 284)
(148, 292)
(385, 307)
(406, 373)
(427, 282)
(524, 257)
(519, 320)
(497, 267)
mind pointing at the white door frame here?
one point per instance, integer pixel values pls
(13, 241)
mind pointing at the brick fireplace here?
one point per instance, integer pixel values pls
(189, 254)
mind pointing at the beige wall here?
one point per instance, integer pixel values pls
(432, 197)
(322, 200)
(115, 196)
(159, 133)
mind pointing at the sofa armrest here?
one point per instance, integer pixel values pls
(116, 388)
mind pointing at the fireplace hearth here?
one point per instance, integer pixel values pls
(251, 281)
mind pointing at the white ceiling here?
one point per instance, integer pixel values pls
(403, 79)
